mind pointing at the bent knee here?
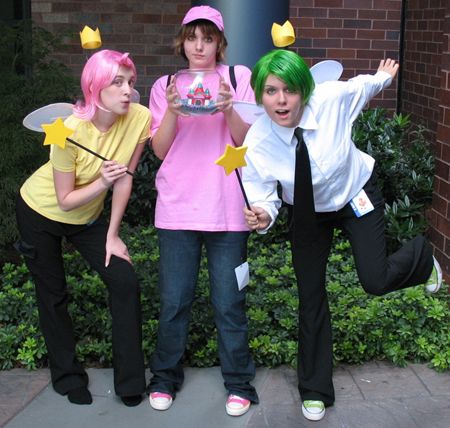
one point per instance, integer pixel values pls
(374, 286)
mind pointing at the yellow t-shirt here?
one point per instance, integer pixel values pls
(118, 143)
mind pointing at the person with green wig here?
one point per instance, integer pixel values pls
(303, 141)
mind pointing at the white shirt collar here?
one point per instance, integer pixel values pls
(308, 119)
(282, 132)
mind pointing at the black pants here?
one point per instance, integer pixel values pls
(410, 265)
(41, 246)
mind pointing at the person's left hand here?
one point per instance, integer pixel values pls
(225, 96)
(111, 172)
(116, 247)
(257, 218)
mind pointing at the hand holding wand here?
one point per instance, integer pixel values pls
(57, 133)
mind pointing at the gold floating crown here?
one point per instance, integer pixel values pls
(90, 39)
(284, 35)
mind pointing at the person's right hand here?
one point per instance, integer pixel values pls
(116, 247)
(257, 218)
(111, 171)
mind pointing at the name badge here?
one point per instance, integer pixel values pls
(361, 204)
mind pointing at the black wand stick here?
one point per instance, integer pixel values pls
(242, 188)
(94, 153)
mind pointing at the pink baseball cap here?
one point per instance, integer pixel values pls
(204, 12)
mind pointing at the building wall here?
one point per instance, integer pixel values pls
(422, 61)
(357, 33)
(142, 27)
(440, 212)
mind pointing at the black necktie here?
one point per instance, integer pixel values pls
(304, 211)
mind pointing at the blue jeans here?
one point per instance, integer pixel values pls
(180, 253)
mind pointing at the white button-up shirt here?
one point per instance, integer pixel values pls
(338, 169)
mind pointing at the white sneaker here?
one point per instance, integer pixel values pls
(435, 280)
(314, 410)
(160, 400)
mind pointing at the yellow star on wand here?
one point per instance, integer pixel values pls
(232, 158)
(56, 133)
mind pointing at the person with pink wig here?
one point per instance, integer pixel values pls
(64, 198)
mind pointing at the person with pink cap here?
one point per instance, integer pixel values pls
(199, 205)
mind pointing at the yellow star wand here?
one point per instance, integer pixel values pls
(231, 160)
(57, 133)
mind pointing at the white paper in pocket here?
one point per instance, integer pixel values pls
(242, 275)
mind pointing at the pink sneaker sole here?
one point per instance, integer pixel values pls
(237, 406)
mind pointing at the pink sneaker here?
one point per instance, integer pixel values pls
(237, 406)
(160, 400)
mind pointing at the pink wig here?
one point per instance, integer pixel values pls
(98, 73)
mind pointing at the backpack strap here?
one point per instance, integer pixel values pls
(232, 77)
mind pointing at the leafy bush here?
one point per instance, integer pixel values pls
(405, 169)
(405, 325)
(31, 79)
(141, 206)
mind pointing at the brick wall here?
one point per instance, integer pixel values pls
(143, 28)
(422, 61)
(357, 33)
(440, 213)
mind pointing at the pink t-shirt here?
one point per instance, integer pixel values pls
(193, 192)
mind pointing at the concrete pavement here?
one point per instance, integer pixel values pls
(375, 394)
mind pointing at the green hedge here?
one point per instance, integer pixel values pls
(405, 169)
(408, 325)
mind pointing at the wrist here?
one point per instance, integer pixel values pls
(228, 113)
(104, 184)
(112, 235)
